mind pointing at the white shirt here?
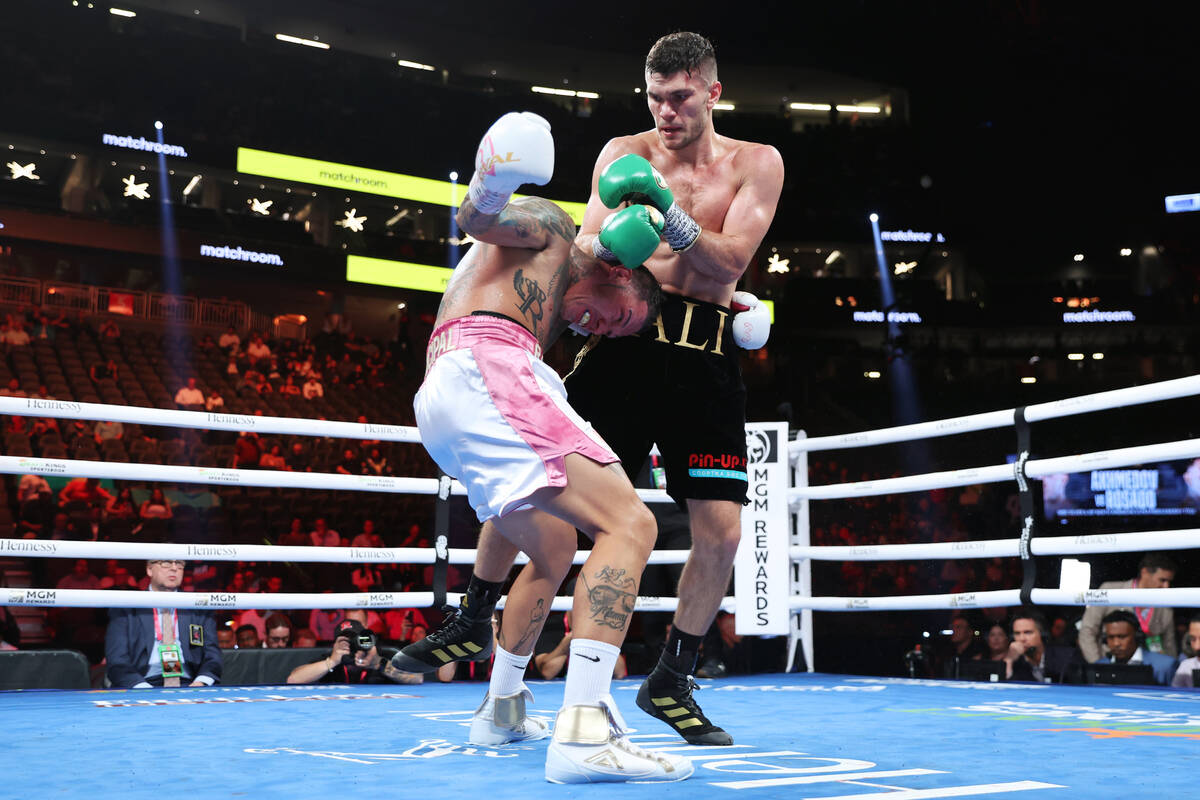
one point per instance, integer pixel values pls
(189, 397)
(1183, 675)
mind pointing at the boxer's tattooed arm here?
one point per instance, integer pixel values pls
(530, 222)
(611, 595)
(525, 641)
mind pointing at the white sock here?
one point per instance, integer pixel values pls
(589, 673)
(508, 670)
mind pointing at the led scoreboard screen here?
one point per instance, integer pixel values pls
(1168, 488)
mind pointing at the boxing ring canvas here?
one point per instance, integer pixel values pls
(797, 736)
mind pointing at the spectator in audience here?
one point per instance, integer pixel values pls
(13, 389)
(189, 396)
(324, 536)
(377, 463)
(118, 577)
(347, 664)
(252, 616)
(230, 341)
(106, 370)
(1063, 632)
(105, 431)
(295, 535)
(1124, 639)
(109, 330)
(1155, 571)
(1184, 674)
(32, 487)
(298, 459)
(366, 577)
(246, 451)
(257, 350)
(997, 642)
(289, 387)
(247, 637)
(121, 507)
(368, 537)
(962, 646)
(231, 367)
(350, 464)
(323, 622)
(553, 651)
(143, 645)
(312, 389)
(80, 577)
(87, 490)
(1029, 657)
(273, 459)
(304, 638)
(226, 638)
(156, 507)
(279, 631)
(16, 335)
(214, 401)
(401, 622)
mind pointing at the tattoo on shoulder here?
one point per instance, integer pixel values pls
(611, 595)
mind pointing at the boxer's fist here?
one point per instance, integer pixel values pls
(629, 236)
(633, 179)
(751, 323)
(516, 150)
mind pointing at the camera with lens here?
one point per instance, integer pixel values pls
(359, 640)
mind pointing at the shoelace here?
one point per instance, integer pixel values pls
(622, 743)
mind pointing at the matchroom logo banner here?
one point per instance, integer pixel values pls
(361, 179)
(761, 581)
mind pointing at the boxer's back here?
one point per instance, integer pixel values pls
(526, 285)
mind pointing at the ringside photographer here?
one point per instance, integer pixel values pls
(354, 658)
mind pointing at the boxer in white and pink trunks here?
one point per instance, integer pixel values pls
(493, 415)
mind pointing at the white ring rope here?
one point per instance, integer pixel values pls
(176, 418)
(1182, 596)
(1185, 448)
(62, 548)
(213, 601)
(1134, 541)
(1117, 398)
(118, 470)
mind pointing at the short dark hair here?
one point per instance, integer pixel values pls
(684, 51)
(246, 627)
(1121, 615)
(647, 288)
(1039, 620)
(1195, 618)
(1156, 561)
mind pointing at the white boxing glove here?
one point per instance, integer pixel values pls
(517, 149)
(752, 323)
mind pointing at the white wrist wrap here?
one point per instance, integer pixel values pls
(485, 202)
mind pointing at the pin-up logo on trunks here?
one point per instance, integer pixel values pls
(762, 447)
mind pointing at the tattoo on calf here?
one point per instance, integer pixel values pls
(611, 596)
(536, 617)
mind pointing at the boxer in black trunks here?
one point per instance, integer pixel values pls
(718, 197)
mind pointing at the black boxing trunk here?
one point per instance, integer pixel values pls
(677, 383)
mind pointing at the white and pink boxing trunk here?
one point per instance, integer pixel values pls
(495, 416)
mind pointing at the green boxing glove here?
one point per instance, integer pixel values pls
(629, 237)
(633, 179)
